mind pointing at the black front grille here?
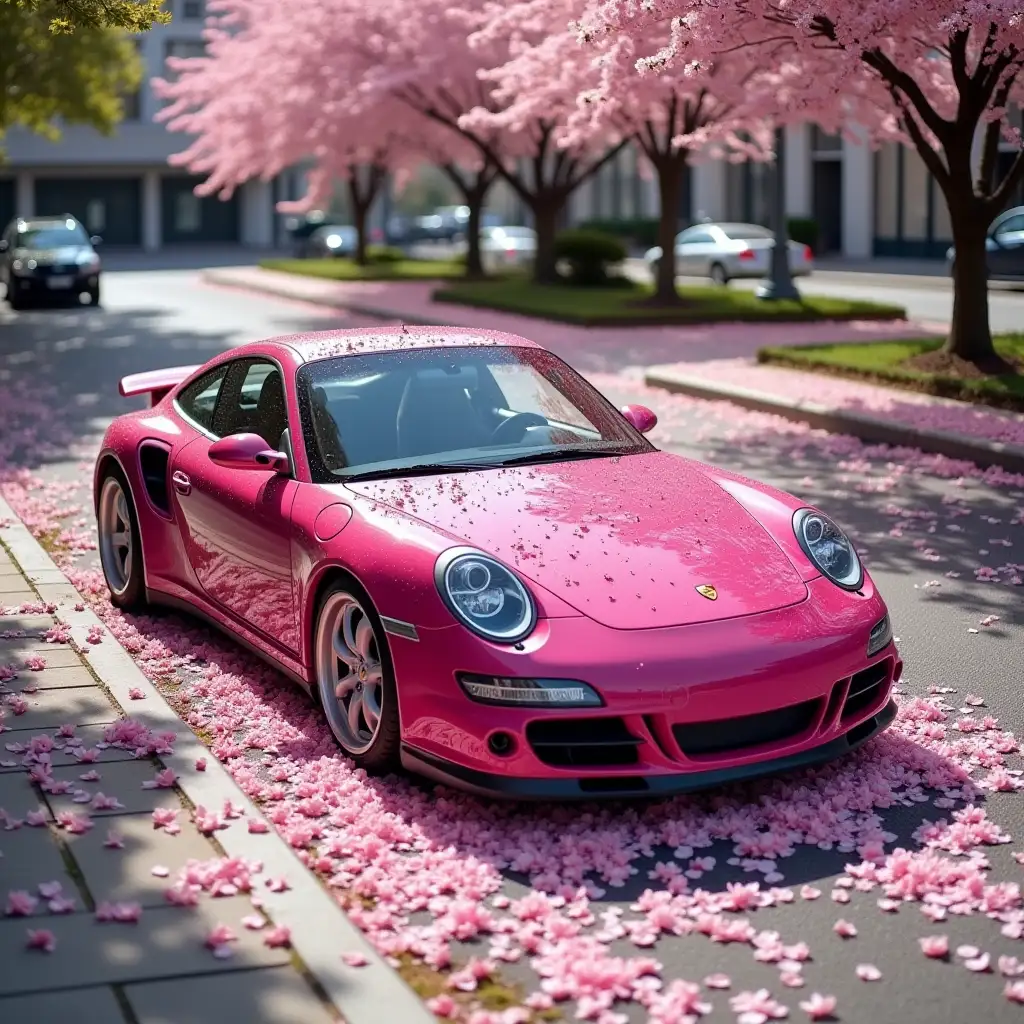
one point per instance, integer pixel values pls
(865, 689)
(698, 739)
(56, 269)
(583, 742)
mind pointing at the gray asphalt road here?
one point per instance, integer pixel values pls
(917, 526)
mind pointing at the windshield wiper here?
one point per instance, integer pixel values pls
(564, 453)
(421, 469)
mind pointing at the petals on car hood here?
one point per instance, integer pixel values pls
(627, 541)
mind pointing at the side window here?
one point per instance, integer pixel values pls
(251, 404)
(1010, 226)
(199, 400)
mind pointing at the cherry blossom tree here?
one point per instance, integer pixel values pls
(434, 57)
(671, 118)
(943, 72)
(269, 95)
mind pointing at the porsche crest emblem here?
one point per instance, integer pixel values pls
(708, 591)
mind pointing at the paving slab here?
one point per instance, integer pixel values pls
(29, 857)
(31, 625)
(164, 943)
(49, 678)
(63, 753)
(49, 709)
(14, 652)
(18, 795)
(273, 996)
(126, 875)
(14, 590)
(97, 1005)
(120, 779)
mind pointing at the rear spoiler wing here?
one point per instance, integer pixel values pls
(156, 383)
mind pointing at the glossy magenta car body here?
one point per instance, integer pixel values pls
(677, 591)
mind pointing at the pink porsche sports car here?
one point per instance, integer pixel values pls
(485, 573)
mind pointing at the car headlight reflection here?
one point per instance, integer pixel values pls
(485, 596)
(828, 548)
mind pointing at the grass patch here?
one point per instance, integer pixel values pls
(886, 362)
(347, 270)
(629, 304)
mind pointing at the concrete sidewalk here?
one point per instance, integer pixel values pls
(108, 804)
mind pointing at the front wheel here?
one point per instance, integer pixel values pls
(94, 296)
(356, 681)
(119, 543)
(718, 275)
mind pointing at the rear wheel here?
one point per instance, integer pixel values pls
(119, 543)
(355, 679)
(718, 275)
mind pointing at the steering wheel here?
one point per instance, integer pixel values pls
(505, 432)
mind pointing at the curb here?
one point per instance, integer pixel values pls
(836, 421)
(320, 931)
(224, 279)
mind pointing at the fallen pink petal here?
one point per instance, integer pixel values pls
(354, 959)
(868, 972)
(819, 1007)
(41, 939)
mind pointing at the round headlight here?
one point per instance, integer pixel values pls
(828, 548)
(485, 596)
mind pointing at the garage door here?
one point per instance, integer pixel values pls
(187, 217)
(6, 201)
(109, 207)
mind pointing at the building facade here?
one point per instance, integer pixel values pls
(121, 187)
(866, 203)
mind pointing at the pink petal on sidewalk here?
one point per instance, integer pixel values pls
(355, 959)
(868, 972)
(819, 1007)
(42, 939)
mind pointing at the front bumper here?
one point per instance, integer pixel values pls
(489, 784)
(684, 707)
(40, 286)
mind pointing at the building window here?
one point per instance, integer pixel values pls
(192, 9)
(915, 197)
(187, 213)
(131, 102)
(887, 186)
(182, 48)
(825, 142)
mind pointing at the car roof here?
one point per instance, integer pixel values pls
(318, 345)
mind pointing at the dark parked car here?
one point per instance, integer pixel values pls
(47, 258)
(1004, 247)
(331, 240)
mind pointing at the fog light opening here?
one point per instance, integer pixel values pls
(501, 744)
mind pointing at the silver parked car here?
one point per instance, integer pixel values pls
(726, 251)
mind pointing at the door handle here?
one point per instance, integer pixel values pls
(182, 484)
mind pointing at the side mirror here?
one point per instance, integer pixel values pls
(248, 452)
(96, 240)
(640, 417)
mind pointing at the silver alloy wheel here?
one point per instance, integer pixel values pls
(718, 275)
(115, 530)
(349, 672)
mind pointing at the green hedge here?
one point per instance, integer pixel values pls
(640, 231)
(588, 254)
(804, 230)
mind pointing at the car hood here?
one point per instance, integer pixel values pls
(65, 254)
(626, 541)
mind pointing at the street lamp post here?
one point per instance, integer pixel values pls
(779, 285)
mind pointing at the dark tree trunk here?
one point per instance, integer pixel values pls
(546, 209)
(670, 170)
(359, 214)
(474, 189)
(970, 336)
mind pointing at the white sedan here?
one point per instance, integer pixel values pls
(723, 252)
(507, 248)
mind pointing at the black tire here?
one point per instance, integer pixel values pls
(718, 275)
(14, 300)
(132, 597)
(94, 296)
(382, 756)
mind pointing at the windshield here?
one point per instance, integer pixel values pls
(458, 407)
(52, 236)
(739, 232)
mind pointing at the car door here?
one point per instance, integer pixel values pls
(692, 248)
(1006, 258)
(235, 523)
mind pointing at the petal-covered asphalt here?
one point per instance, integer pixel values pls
(889, 881)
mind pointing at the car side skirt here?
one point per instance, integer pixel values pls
(193, 608)
(596, 787)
